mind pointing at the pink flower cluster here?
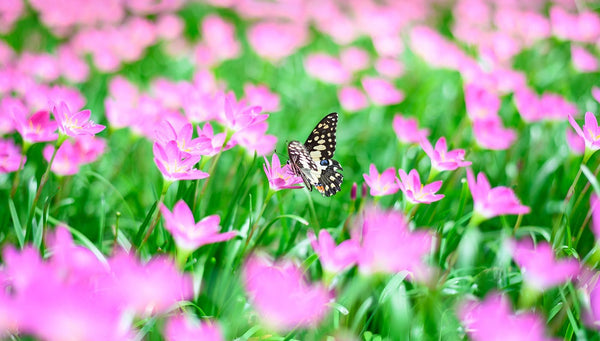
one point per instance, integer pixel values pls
(77, 294)
(71, 155)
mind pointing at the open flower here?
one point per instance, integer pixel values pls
(334, 259)
(490, 202)
(441, 158)
(280, 177)
(590, 132)
(183, 137)
(281, 296)
(381, 184)
(188, 234)
(37, 128)
(176, 165)
(539, 267)
(492, 319)
(415, 192)
(73, 124)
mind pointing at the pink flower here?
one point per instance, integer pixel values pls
(72, 67)
(71, 155)
(36, 128)
(490, 202)
(74, 124)
(354, 59)
(490, 134)
(219, 36)
(381, 184)
(280, 177)
(596, 93)
(185, 327)
(352, 98)
(539, 267)
(255, 140)
(9, 106)
(389, 67)
(326, 68)
(595, 208)
(415, 192)
(273, 288)
(183, 137)
(492, 319)
(481, 103)
(575, 142)
(380, 233)
(334, 259)
(146, 288)
(407, 129)
(260, 95)
(381, 91)
(583, 60)
(10, 156)
(216, 140)
(274, 40)
(441, 158)
(590, 132)
(237, 115)
(188, 234)
(175, 165)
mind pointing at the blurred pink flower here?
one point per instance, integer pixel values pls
(260, 95)
(334, 259)
(481, 103)
(183, 137)
(71, 155)
(380, 233)
(575, 142)
(592, 316)
(407, 129)
(596, 93)
(41, 66)
(72, 67)
(352, 98)
(590, 132)
(556, 107)
(9, 106)
(583, 60)
(36, 128)
(120, 103)
(10, 156)
(74, 124)
(10, 12)
(441, 158)
(492, 319)
(273, 288)
(435, 49)
(188, 234)
(389, 67)
(175, 165)
(255, 140)
(280, 177)
(219, 36)
(326, 68)
(595, 208)
(274, 40)
(490, 202)
(185, 327)
(539, 267)
(388, 45)
(490, 134)
(381, 184)
(169, 26)
(354, 59)
(415, 192)
(381, 91)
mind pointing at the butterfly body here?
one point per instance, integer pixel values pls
(312, 161)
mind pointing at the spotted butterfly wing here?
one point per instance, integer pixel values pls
(313, 162)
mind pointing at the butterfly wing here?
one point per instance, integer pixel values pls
(321, 141)
(302, 164)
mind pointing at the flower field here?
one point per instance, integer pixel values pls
(299, 170)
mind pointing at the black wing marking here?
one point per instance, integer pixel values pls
(301, 163)
(321, 141)
(330, 180)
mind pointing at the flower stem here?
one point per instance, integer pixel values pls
(61, 138)
(166, 185)
(262, 210)
(15, 183)
(214, 164)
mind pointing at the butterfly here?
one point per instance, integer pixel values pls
(312, 161)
